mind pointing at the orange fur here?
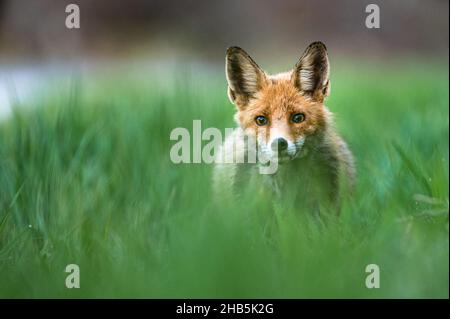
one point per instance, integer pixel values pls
(278, 100)
(319, 161)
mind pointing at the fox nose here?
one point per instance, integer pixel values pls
(279, 144)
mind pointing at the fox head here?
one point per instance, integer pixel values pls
(282, 112)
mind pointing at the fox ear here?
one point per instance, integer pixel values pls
(311, 73)
(245, 78)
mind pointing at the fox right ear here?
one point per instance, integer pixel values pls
(311, 73)
(245, 78)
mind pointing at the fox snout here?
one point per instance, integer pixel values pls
(280, 148)
(279, 145)
(283, 149)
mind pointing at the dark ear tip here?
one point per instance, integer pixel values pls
(233, 49)
(318, 45)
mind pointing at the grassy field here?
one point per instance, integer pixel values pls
(86, 178)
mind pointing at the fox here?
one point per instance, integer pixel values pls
(285, 117)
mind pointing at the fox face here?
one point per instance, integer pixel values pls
(283, 112)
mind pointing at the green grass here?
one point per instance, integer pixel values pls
(86, 178)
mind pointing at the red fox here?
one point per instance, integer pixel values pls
(285, 116)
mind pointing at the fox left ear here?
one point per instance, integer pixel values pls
(311, 73)
(245, 78)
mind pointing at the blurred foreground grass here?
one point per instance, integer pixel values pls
(86, 178)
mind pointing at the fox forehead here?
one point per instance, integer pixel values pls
(278, 97)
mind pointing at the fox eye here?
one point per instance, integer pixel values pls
(261, 120)
(298, 118)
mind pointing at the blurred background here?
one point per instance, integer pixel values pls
(36, 48)
(203, 29)
(85, 173)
